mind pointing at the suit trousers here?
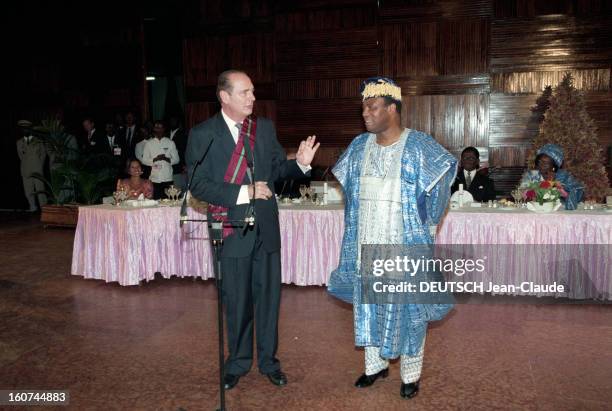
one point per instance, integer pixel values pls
(251, 294)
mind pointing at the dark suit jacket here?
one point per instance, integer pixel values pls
(117, 162)
(95, 144)
(481, 188)
(131, 146)
(118, 142)
(208, 184)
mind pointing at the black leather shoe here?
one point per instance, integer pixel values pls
(230, 381)
(367, 380)
(409, 390)
(277, 378)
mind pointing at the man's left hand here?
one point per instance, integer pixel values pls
(307, 150)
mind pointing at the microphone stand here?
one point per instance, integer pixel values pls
(215, 230)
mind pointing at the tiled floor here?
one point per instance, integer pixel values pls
(153, 347)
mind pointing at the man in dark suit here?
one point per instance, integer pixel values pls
(131, 135)
(250, 258)
(474, 179)
(93, 138)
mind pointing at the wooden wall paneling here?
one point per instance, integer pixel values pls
(448, 120)
(550, 43)
(197, 112)
(219, 11)
(409, 49)
(319, 89)
(535, 82)
(469, 70)
(253, 53)
(463, 46)
(353, 16)
(416, 112)
(201, 111)
(476, 125)
(510, 119)
(402, 10)
(300, 5)
(455, 121)
(203, 60)
(450, 84)
(206, 58)
(266, 108)
(324, 55)
(533, 8)
(510, 155)
(334, 121)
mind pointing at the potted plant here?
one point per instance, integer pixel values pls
(73, 178)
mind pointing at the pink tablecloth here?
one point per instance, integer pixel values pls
(580, 240)
(130, 245)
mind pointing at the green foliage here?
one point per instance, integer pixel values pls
(74, 176)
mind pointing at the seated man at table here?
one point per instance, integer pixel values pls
(474, 179)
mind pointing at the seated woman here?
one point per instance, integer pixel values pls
(548, 161)
(135, 185)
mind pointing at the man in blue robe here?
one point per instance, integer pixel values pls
(397, 186)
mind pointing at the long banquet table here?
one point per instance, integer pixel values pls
(129, 245)
(124, 245)
(574, 247)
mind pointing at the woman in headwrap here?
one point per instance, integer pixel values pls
(548, 161)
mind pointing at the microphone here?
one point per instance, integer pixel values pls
(183, 214)
(324, 175)
(250, 216)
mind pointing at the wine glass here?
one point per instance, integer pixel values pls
(517, 194)
(310, 192)
(120, 196)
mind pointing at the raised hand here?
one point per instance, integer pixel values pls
(307, 150)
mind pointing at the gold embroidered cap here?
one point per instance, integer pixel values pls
(380, 87)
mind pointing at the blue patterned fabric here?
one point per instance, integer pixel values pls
(573, 187)
(427, 173)
(554, 151)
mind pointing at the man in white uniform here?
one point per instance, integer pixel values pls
(32, 155)
(160, 154)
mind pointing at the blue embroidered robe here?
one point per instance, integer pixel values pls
(427, 173)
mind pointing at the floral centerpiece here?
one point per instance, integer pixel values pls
(544, 196)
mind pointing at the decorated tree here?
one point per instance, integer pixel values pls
(567, 123)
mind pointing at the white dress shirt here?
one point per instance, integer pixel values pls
(139, 150)
(469, 174)
(161, 170)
